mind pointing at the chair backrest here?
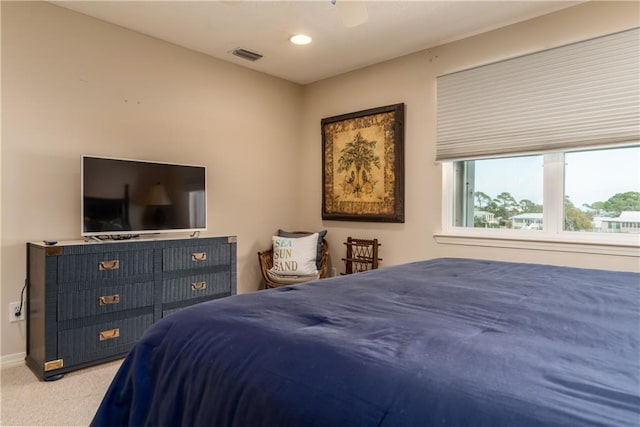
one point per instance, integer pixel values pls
(324, 259)
(362, 255)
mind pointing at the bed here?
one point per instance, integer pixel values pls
(445, 342)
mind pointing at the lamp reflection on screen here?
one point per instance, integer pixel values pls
(158, 200)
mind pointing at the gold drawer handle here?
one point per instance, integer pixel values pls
(198, 256)
(109, 334)
(198, 286)
(113, 264)
(109, 299)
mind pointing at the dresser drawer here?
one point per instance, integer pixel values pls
(197, 256)
(107, 299)
(102, 340)
(196, 286)
(104, 266)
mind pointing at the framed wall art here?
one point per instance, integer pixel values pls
(363, 165)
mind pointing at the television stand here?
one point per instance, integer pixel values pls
(88, 303)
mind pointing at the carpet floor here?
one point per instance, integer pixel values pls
(70, 401)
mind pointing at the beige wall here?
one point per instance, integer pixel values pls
(73, 85)
(412, 80)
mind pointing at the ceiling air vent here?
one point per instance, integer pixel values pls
(246, 54)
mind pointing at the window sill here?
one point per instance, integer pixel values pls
(620, 246)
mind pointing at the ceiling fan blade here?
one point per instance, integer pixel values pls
(352, 12)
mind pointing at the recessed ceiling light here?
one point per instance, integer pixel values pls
(300, 39)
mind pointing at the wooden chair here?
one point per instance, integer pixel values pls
(265, 259)
(362, 255)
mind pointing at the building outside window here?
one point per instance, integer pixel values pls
(627, 222)
(527, 221)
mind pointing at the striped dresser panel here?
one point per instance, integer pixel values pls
(101, 340)
(195, 286)
(92, 267)
(108, 299)
(197, 256)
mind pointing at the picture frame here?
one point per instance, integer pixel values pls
(363, 165)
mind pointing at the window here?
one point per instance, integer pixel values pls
(602, 191)
(499, 193)
(495, 119)
(595, 191)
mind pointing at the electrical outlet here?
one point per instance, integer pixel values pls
(13, 309)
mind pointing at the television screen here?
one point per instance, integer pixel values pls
(128, 197)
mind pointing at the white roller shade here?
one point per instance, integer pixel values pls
(580, 95)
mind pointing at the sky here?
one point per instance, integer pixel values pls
(590, 176)
(594, 176)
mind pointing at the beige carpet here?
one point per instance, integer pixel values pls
(71, 401)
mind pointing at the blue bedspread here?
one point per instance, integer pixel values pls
(448, 342)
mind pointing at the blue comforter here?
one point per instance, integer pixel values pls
(448, 342)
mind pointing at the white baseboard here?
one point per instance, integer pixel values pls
(11, 360)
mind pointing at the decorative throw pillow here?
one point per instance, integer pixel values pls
(295, 256)
(321, 235)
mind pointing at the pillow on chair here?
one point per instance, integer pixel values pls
(321, 235)
(295, 256)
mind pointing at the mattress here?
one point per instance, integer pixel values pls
(445, 342)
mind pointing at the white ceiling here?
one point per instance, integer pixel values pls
(393, 28)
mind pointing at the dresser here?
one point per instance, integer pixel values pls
(88, 302)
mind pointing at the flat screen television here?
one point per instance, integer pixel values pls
(122, 197)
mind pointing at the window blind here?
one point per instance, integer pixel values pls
(580, 95)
